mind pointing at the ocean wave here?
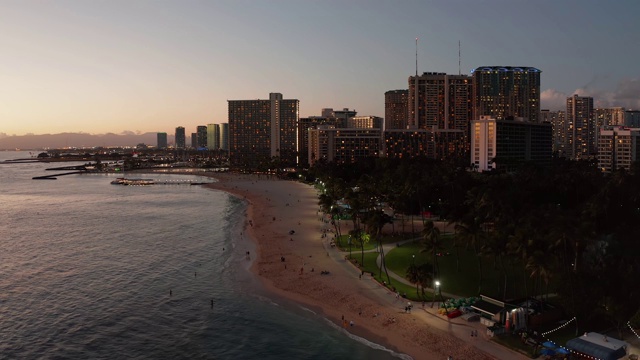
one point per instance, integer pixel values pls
(368, 343)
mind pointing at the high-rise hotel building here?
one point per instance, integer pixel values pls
(201, 141)
(506, 92)
(260, 130)
(162, 140)
(439, 101)
(505, 145)
(582, 130)
(180, 138)
(396, 109)
(224, 136)
(213, 136)
(558, 122)
(618, 148)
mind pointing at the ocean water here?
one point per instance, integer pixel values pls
(90, 270)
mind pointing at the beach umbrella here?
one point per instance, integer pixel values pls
(547, 352)
(549, 344)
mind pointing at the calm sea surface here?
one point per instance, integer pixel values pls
(87, 268)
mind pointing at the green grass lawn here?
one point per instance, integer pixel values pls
(460, 275)
(370, 266)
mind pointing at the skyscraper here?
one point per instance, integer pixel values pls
(505, 145)
(201, 130)
(440, 101)
(582, 130)
(194, 140)
(180, 138)
(618, 148)
(213, 136)
(505, 92)
(260, 130)
(558, 122)
(396, 109)
(312, 122)
(162, 140)
(224, 136)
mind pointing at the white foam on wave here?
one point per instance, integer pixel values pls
(367, 342)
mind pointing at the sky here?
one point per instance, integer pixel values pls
(136, 66)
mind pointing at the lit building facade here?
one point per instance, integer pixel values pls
(558, 122)
(609, 116)
(365, 122)
(434, 144)
(439, 101)
(396, 109)
(261, 130)
(582, 130)
(618, 148)
(312, 122)
(343, 145)
(506, 92)
(180, 138)
(213, 136)
(504, 145)
(162, 140)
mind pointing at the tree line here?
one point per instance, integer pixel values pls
(575, 229)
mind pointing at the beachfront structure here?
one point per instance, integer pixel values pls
(504, 92)
(224, 136)
(396, 107)
(162, 140)
(201, 142)
(504, 145)
(439, 101)
(558, 122)
(213, 136)
(582, 130)
(343, 145)
(180, 138)
(618, 148)
(312, 122)
(263, 130)
(433, 144)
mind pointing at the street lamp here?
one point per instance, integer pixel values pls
(437, 284)
(414, 260)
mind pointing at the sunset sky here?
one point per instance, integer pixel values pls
(147, 66)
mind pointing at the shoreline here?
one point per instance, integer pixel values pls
(275, 207)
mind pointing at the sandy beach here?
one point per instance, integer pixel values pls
(292, 266)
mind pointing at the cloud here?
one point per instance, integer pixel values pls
(626, 95)
(553, 100)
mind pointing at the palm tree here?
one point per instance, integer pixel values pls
(431, 244)
(470, 232)
(375, 221)
(413, 276)
(424, 277)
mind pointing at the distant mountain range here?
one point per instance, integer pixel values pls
(77, 140)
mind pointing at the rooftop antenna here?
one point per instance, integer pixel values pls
(416, 56)
(459, 72)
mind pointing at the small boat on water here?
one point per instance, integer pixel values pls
(125, 181)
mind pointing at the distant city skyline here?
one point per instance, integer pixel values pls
(151, 66)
